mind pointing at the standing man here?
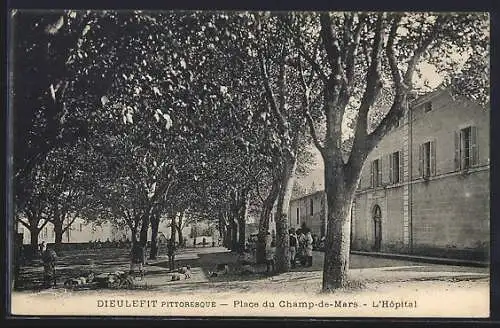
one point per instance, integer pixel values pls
(309, 248)
(171, 254)
(49, 258)
(301, 252)
(294, 242)
(137, 258)
(270, 251)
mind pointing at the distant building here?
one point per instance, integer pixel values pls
(82, 231)
(79, 232)
(425, 188)
(310, 210)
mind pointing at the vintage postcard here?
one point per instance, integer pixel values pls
(249, 163)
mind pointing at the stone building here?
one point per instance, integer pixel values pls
(425, 188)
(310, 210)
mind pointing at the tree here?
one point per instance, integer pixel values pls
(64, 179)
(361, 54)
(57, 193)
(282, 83)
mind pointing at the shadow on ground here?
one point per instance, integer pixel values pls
(204, 260)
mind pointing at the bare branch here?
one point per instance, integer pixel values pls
(396, 74)
(413, 62)
(353, 50)
(306, 108)
(373, 87)
(394, 114)
(282, 91)
(267, 85)
(43, 224)
(346, 37)
(373, 83)
(71, 222)
(331, 45)
(24, 224)
(304, 53)
(314, 135)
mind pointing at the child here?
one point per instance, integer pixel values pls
(137, 259)
(49, 258)
(270, 251)
(309, 248)
(294, 243)
(171, 254)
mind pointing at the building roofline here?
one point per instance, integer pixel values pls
(308, 195)
(439, 91)
(423, 98)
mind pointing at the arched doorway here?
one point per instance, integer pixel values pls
(377, 221)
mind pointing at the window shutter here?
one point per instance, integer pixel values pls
(457, 151)
(433, 157)
(391, 168)
(473, 145)
(421, 160)
(401, 167)
(380, 171)
(372, 176)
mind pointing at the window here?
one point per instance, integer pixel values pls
(398, 123)
(81, 227)
(427, 106)
(466, 151)
(298, 212)
(311, 205)
(396, 167)
(376, 173)
(45, 232)
(427, 159)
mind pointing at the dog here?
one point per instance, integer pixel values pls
(176, 276)
(72, 282)
(186, 271)
(220, 270)
(120, 279)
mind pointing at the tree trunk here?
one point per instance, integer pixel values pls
(228, 235)
(241, 235)
(282, 237)
(267, 208)
(143, 235)
(224, 236)
(242, 227)
(234, 235)
(133, 234)
(179, 235)
(172, 228)
(222, 230)
(34, 231)
(58, 231)
(155, 222)
(339, 196)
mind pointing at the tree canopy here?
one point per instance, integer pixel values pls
(150, 114)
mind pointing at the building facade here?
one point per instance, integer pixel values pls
(81, 231)
(310, 210)
(425, 188)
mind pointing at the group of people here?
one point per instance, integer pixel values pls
(301, 247)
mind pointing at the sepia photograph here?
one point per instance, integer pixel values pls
(248, 163)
